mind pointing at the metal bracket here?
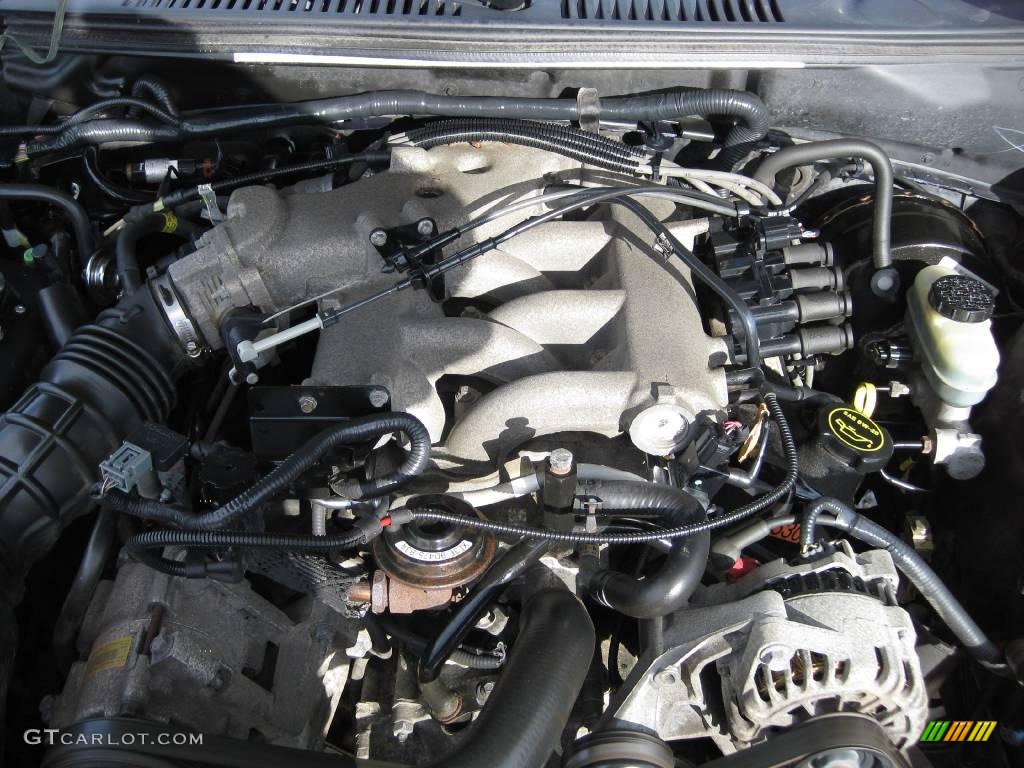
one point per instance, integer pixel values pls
(209, 198)
(406, 248)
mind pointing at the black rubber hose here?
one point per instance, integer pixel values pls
(582, 146)
(817, 151)
(362, 430)
(522, 722)
(809, 523)
(749, 110)
(76, 213)
(780, 492)
(97, 552)
(141, 545)
(137, 226)
(507, 569)
(439, 130)
(913, 566)
(107, 380)
(668, 590)
(746, 107)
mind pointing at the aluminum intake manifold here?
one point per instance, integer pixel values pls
(576, 325)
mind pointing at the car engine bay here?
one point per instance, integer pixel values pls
(615, 428)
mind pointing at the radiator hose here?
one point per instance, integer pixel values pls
(670, 588)
(522, 722)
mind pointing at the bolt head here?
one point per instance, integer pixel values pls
(776, 657)
(20, 309)
(378, 237)
(666, 677)
(483, 692)
(251, 379)
(378, 397)
(425, 227)
(560, 461)
(192, 349)
(307, 403)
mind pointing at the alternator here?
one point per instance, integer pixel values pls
(785, 644)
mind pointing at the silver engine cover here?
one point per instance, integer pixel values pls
(587, 325)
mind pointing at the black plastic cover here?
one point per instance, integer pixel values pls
(962, 298)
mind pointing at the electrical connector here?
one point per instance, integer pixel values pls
(126, 468)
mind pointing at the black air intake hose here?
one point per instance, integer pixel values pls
(110, 377)
(522, 723)
(668, 590)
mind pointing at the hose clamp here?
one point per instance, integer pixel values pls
(182, 325)
(588, 105)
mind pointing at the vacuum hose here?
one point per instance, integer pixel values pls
(511, 566)
(816, 151)
(912, 565)
(362, 430)
(585, 147)
(746, 108)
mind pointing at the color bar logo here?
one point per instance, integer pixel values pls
(958, 730)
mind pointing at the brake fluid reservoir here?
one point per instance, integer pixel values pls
(949, 316)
